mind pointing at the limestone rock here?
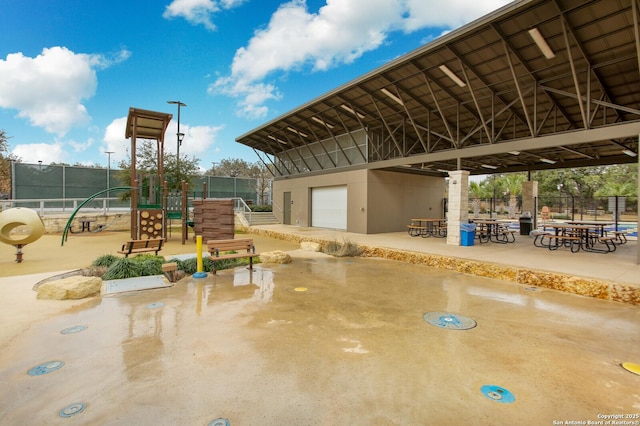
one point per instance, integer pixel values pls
(276, 256)
(76, 287)
(310, 246)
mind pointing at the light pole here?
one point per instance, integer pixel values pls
(560, 186)
(108, 174)
(179, 136)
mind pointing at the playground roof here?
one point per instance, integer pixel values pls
(147, 124)
(488, 98)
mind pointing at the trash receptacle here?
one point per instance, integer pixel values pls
(526, 225)
(467, 234)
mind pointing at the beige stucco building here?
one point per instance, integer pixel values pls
(534, 85)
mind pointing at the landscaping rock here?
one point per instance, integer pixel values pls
(76, 287)
(276, 256)
(310, 246)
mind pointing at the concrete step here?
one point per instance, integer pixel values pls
(261, 218)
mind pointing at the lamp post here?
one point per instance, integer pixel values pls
(560, 186)
(108, 174)
(180, 137)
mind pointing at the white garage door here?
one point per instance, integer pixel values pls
(329, 207)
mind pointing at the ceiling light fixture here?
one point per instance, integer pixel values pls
(542, 43)
(392, 96)
(321, 121)
(351, 110)
(629, 153)
(514, 152)
(442, 171)
(488, 166)
(277, 140)
(546, 160)
(291, 129)
(451, 75)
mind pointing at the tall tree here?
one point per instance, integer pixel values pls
(232, 167)
(263, 179)
(5, 165)
(147, 164)
(621, 179)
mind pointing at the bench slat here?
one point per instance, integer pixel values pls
(217, 249)
(141, 246)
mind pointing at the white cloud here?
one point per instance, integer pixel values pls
(45, 152)
(198, 12)
(49, 89)
(197, 139)
(339, 33)
(451, 14)
(115, 142)
(81, 146)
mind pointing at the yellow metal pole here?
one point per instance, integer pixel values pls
(199, 273)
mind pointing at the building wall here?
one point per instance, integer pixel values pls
(378, 201)
(396, 198)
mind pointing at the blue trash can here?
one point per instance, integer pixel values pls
(467, 234)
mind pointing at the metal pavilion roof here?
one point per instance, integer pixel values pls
(512, 108)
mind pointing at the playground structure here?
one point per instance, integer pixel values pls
(149, 218)
(150, 213)
(13, 219)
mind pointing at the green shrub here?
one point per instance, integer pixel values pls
(262, 208)
(123, 268)
(151, 266)
(105, 260)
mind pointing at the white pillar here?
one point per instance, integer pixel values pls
(458, 204)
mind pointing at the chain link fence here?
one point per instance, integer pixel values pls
(565, 207)
(64, 187)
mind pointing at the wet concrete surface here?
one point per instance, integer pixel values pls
(352, 349)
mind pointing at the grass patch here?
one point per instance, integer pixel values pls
(190, 266)
(105, 260)
(121, 269)
(141, 265)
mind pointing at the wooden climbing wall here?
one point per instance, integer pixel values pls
(213, 219)
(150, 224)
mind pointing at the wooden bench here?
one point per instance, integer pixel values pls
(620, 236)
(509, 235)
(539, 237)
(575, 242)
(609, 241)
(416, 230)
(219, 250)
(141, 246)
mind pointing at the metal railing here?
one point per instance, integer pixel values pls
(67, 205)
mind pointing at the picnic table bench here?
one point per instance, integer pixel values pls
(576, 237)
(226, 249)
(141, 246)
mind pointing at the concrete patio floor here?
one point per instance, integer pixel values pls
(319, 341)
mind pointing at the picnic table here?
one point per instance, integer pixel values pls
(427, 227)
(85, 225)
(578, 237)
(494, 230)
(594, 223)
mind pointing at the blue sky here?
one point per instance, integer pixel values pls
(70, 69)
